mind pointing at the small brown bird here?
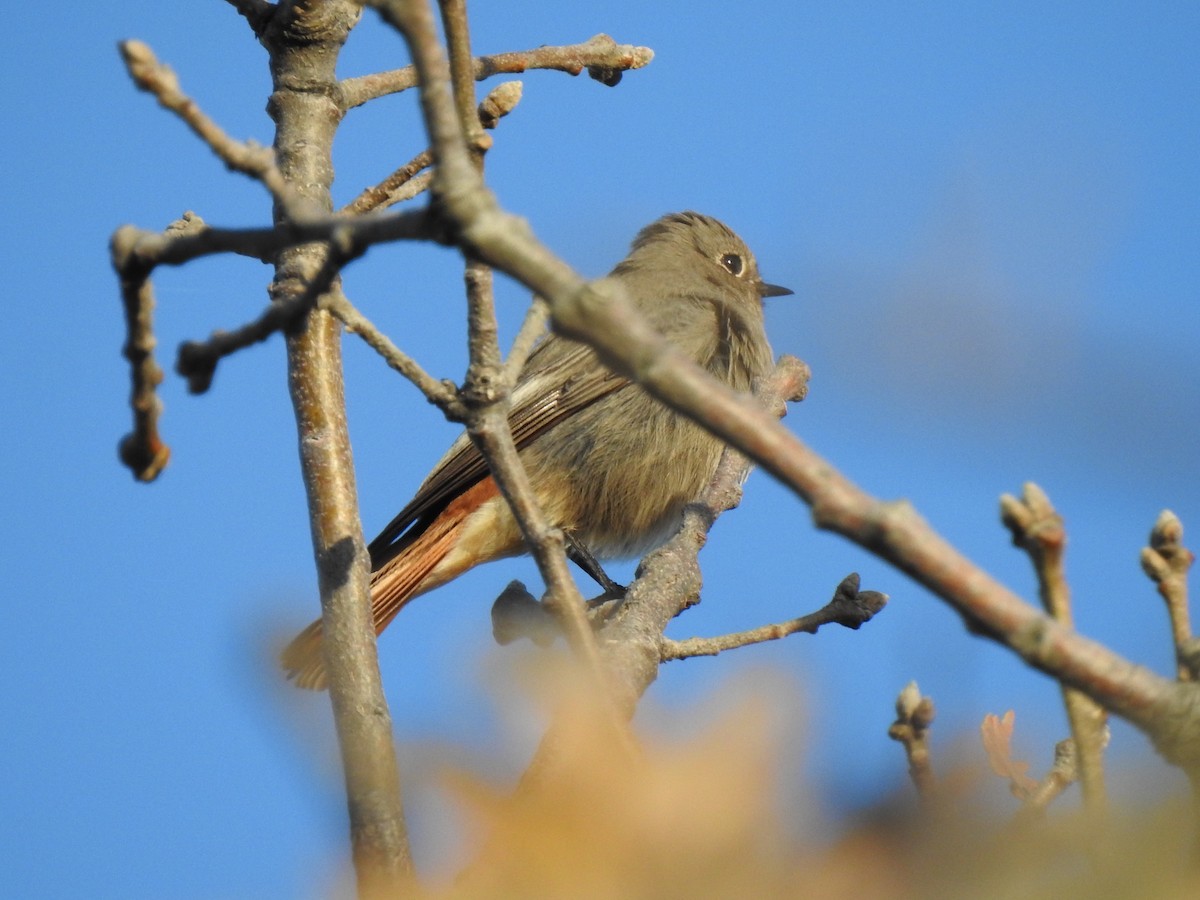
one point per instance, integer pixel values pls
(611, 466)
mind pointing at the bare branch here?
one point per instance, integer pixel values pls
(462, 70)
(603, 58)
(388, 192)
(250, 159)
(914, 716)
(1063, 773)
(404, 183)
(304, 50)
(532, 328)
(1037, 528)
(849, 608)
(669, 578)
(442, 394)
(142, 450)
(148, 249)
(486, 395)
(197, 361)
(1166, 562)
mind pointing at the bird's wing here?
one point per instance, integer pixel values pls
(560, 378)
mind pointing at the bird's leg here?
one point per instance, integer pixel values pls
(582, 557)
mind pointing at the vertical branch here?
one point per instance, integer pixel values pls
(304, 40)
(462, 71)
(914, 716)
(489, 382)
(1166, 561)
(142, 450)
(1038, 529)
(486, 394)
(455, 174)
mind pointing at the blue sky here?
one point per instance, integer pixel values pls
(988, 213)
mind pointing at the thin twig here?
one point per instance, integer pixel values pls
(142, 450)
(914, 716)
(488, 425)
(250, 159)
(532, 329)
(1063, 773)
(197, 360)
(442, 394)
(462, 69)
(387, 192)
(1037, 528)
(405, 183)
(1166, 562)
(486, 394)
(603, 58)
(849, 608)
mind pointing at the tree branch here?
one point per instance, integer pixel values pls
(1037, 528)
(142, 450)
(197, 360)
(442, 394)
(1063, 773)
(914, 716)
(600, 315)
(849, 608)
(499, 103)
(304, 41)
(603, 58)
(669, 578)
(532, 329)
(149, 249)
(250, 159)
(1166, 562)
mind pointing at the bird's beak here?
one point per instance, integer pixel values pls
(773, 290)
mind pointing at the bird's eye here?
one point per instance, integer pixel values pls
(732, 263)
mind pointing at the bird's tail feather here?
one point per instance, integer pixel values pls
(392, 586)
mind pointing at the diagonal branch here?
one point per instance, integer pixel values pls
(669, 578)
(849, 608)
(440, 393)
(197, 360)
(600, 315)
(250, 159)
(403, 184)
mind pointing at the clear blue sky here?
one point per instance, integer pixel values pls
(989, 213)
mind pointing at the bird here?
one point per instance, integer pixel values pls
(610, 465)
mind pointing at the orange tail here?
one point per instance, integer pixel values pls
(396, 582)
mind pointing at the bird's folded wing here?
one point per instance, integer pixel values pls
(560, 378)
